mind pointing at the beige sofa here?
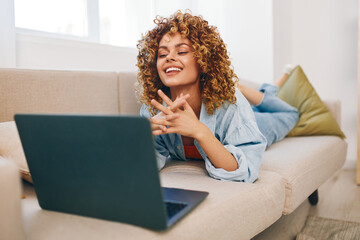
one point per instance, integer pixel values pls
(291, 171)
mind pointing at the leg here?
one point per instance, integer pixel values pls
(314, 198)
(275, 118)
(287, 70)
(281, 80)
(253, 96)
(275, 125)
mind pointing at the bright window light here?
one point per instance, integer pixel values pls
(113, 22)
(122, 21)
(63, 17)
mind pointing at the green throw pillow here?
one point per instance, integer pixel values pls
(315, 117)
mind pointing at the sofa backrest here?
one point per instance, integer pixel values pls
(50, 91)
(54, 91)
(127, 94)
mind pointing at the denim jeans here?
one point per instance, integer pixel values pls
(275, 118)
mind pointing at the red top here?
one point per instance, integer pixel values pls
(192, 152)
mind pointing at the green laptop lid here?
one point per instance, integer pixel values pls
(94, 166)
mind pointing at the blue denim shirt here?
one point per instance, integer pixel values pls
(235, 127)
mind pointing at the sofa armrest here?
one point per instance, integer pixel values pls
(11, 225)
(334, 107)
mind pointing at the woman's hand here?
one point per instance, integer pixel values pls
(166, 114)
(180, 119)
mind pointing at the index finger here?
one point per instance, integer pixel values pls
(161, 107)
(166, 99)
(179, 102)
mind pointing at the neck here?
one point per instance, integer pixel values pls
(195, 96)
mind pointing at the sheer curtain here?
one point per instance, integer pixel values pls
(7, 34)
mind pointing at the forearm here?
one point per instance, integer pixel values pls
(219, 156)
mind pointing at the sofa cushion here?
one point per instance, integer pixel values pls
(11, 225)
(315, 117)
(234, 206)
(11, 148)
(305, 163)
(49, 91)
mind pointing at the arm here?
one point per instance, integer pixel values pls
(219, 156)
(233, 150)
(239, 134)
(184, 122)
(247, 145)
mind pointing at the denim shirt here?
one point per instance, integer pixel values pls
(235, 127)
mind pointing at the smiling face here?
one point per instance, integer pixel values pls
(176, 64)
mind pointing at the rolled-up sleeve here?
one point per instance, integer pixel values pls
(247, 145)
(161, 151)
(237, 130)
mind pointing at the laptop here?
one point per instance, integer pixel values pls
(102, 167)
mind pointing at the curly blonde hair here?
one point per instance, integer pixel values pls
(217, 78)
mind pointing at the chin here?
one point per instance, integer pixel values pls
(171, 83)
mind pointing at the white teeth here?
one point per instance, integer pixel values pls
(172, 69)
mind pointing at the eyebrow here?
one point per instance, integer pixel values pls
(177, 45)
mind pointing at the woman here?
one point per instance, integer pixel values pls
(190, 97)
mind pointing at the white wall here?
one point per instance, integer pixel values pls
(39, 52)
(246, 28)
(324, 43)
(282, 41)
(244, 25)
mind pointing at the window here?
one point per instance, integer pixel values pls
(63, 17)
(123, 21)
(115, 22)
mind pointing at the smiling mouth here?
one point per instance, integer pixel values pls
(173, 69)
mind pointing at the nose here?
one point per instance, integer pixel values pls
(170, 57)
